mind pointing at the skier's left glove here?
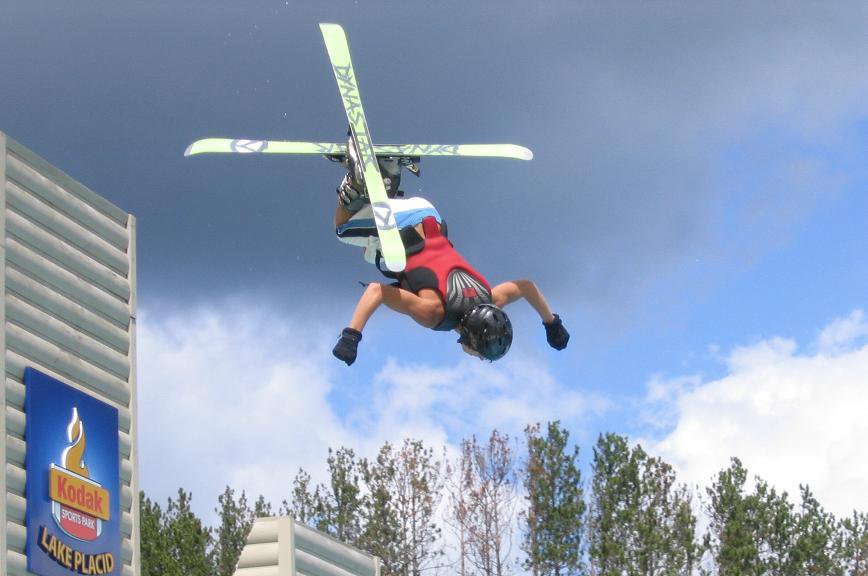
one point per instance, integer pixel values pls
(556, 335)
(347, 347)
(352, 195)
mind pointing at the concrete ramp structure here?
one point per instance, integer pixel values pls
(280, 546)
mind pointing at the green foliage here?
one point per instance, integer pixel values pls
(184, 540)
(634, 519)
(761, 533)
(416, 494)
(640, 521)
(339, 504)
(303, 507)
(851, 545)
(555, 514)
(235, 520)
(382, 530)
(483, 505)
(402, 492)
(156, 558)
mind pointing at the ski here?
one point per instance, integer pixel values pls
(338, 50)
(240, 146)
(407, 155)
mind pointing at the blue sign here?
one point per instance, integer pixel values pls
(73, 480)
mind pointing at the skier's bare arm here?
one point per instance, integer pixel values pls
(509, 292)
(503, 294)
(426, 309)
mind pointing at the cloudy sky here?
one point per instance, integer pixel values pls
(695, 211)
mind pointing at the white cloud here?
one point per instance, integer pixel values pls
(231, 397)
(241, 397)
(792, 418)
(840, 333)
(476, 397)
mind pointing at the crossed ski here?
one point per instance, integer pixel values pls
(336, 149)
(338, 50)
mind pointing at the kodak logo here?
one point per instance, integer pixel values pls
(78, 493)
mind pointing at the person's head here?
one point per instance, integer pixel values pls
(485, 332)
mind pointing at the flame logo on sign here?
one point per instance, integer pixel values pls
(73, 457)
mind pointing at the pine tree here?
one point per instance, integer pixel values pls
(338, 505)
(460, 479)
(666, 526)
(188, 541)
(402, 493)
(554, 518)
(851, 544)
(156, 558)
(415, 495)
(640, 521)
(484, 505)
(380, 535)
(749, 534)
(231, 533)
(813, 549)
(303, 508)
(261, 509)
(614, 486)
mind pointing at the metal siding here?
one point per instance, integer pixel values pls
(130, 493)
(258, 555)
(68, 285)
(4, 569)
(68, 187)
(319, 545)
(279, 546)
(316, 566)
(47, 216)
(64, 282)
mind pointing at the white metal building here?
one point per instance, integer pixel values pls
(280, 546)
(68, 281)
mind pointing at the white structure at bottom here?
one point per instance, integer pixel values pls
(280, 546)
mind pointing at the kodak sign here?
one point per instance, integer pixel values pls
(73, 481)
(78, 504)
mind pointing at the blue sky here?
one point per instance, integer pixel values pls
(695, 211)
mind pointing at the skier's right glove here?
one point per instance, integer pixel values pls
(352, 196)
(556, 335)
(347, 346)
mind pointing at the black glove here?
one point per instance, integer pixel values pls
(347, 346)
(351, 194)
(556, 335)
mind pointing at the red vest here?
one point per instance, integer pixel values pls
(440, 267)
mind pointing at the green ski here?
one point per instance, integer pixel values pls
(407, 155)
(387, 229)
(241, 146)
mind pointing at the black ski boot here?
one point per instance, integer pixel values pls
(390, 169)
(352, 191)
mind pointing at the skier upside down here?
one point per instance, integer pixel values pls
(438, 288)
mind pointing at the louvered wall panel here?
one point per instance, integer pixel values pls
(68, 285)
(280, 546)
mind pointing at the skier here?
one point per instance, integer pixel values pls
(438, 288)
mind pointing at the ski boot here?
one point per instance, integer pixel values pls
(351, 191)
(390, 169)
